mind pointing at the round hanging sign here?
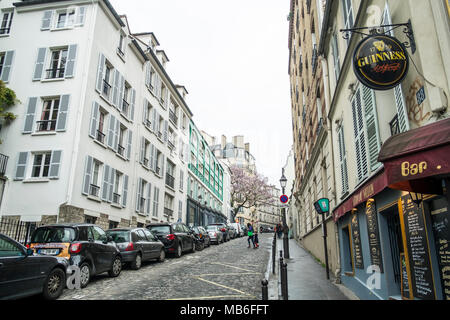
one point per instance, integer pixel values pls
(380, 62)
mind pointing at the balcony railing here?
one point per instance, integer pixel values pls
(158, 171)
(46, 125)
(94, 190)
(141, 205)
(394, 125)
(57, 73)
(106, 89)
(5, 30)
(170, 181)
(125, 107)
(121, 150)
(145, 162)
(168, 212)
(170, 145)
(100, 136)
(116, 198)
(3, 163)
(173, 118)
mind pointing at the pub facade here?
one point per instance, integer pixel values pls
(390, 131)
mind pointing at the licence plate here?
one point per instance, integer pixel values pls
(49, 252)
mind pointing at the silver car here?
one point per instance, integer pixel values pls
(215, 234)
(237, 227)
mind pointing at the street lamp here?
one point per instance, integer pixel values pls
(283, 182)
(322, 207)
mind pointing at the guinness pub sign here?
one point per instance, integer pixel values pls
(380, 62)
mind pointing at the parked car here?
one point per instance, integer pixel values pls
(232, 231)
(22, 273)
(202, 237)
(266, 229)
(237, 227)
(176, 237)
(137, 245)
(224, 229)
(85, 245)
(215, 234)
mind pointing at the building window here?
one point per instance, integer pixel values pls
(155, 202)
(94, 187)
(106, 88)
(170, 179)
(49, 116)
(5, 27)
(57, 65)
(126, 99)
(121, 46)
(348, 15)
(2, 61)
(116, 191)
(65, 18)
(41, 165)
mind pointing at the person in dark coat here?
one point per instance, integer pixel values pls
(250, 234)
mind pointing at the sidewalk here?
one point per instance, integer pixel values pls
(306, 277)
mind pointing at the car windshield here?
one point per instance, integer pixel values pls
(160, 229)
(53, 234)
(119, 236)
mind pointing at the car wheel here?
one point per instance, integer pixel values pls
(162, 256)
(85, 274)
(137, 263)
(54, 284)
(116, 267)
(179, 251)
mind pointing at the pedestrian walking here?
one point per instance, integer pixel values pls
(255, 236)
(250, 235)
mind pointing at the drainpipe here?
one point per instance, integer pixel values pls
(330, 135)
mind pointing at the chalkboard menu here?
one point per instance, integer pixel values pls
(374, 235)
(357, 252)
(404, 278)
(418, 254)
(440, 217)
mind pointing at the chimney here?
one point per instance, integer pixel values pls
(247, 147)
(224, 141)
(182, 90)
(238, 141)
(162, 57)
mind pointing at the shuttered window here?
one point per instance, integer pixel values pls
(6, 61)
(56, 63)
(359, 136)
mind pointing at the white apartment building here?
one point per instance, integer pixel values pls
(101, 133)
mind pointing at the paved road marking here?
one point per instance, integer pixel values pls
(229, 288)
(211, 297)
(227, 265)
(225, 274)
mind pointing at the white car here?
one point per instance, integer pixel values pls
(238, 228)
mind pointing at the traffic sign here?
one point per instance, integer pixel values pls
(284, 199)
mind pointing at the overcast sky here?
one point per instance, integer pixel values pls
(232, 57)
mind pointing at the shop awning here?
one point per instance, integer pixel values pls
(414, 158)
(373, 186)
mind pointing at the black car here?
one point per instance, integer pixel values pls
(137, 245)
(202, 237)
(86, 246)
(225, 230)
(22, 273)
(177, 237)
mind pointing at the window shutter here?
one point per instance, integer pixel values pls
(94, 120)
(6, 71)
(360, 140)
(181, 179)
(115, 91)
(158, 86)
(138, 200)
(373, 136)
(47, 20)
(55, 164)
(152, 158)
(403, 122)
(154, 117)
(155, 201)
(144, 112)
(71, 57)
(163, 173)
(111, 131)
(81, 16)
(62, 113)
(121, 92)
(87, 175)
(125, 190)
(21, 166)
(101, 66)
(39, 67)
(105, 183)
(335, 49)
(147, 74)
(129, 145)
(166, 131)
(112, 177)
(116, 135)
(132, 105)
(29, 118)
(155, 158)
(141, 154)
(149, 195)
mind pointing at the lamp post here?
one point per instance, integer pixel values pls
(322, 207)
(283, 182)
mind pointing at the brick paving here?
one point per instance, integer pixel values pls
(229, 271)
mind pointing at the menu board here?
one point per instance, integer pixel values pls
(357, 252)
(404, 278)
(374, 235)
(441, 229)
(418, 254)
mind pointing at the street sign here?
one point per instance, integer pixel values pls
(284, 199)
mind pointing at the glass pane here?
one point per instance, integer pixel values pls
(53, 234)
(9, 249)
(119, 236)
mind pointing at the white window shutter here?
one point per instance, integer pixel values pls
(6, 71)
(115, 89)
(111, 131)
(139, 193)
(39, 66)
(132, 105)
(124, 190)
(94, 120)
(55, 164)
(87, 175)
(105, 183)
(47, 20)
(373, 135)
(21, 166)
(29, 118)
(71, 58)
(148, 200)
(62, 113)
(360, 140)
(112, 178)
(100, 70)
(129, 144)
(81, 16)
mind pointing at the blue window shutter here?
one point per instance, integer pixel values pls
(94, 120)
(105, 183)
(100, 69)
(6, 71)
(55, 164)
(87, 175)
(111, 129)
(124, 190)
(29, 117)
(21, 166)
(39, 67)
(47, 20)
(62, 113)
(71, 58)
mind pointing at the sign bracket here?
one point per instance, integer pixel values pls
(381, 30)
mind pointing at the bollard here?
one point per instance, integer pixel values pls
(265, 289)
(274, 248)
(284, 281)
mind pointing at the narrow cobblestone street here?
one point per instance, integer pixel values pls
(230, 271)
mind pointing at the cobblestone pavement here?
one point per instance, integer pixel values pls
(229, 271)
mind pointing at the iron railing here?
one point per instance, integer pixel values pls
(20, 231)
(170, 181)
(56, 73)
(3, 163)
(46, 125)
